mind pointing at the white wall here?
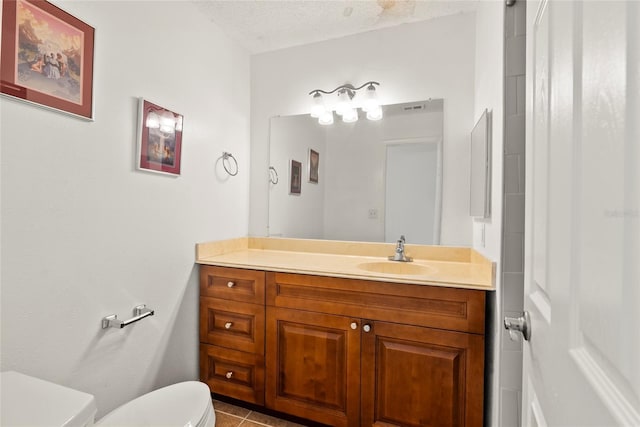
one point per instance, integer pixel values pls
(433, 59)
(302, 215)
(489, 84)
(85, 235)
(356, 183)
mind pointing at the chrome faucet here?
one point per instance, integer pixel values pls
(399, 255)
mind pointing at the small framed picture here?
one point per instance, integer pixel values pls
(314, 160)
(295, 180)
(47, 57)
(159, 139)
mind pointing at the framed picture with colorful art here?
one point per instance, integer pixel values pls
(159, 139)
(47, 57)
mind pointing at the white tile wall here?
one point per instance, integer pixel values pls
(515, 62)
(520, 94)
(514, 204)
(511, 102)
(509, 22)
(513, 291)
(513, 253)
(514, 135)
(512, 361)
(512, 407)
(512, 174)
(513, 231)
(520, 24)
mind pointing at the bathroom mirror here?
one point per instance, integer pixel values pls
(371, 180)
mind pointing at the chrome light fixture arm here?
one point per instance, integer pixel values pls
(347, 86)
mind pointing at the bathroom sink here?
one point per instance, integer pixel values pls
(394, 267)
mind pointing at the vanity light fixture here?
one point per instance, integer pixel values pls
(347, 103)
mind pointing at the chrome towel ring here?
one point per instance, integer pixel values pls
(273, 175)
(226, 164)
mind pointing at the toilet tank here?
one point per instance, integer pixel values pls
(29, 401)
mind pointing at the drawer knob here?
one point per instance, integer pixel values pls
(228, 325)
(229, 374)
(354, 325)
(230, 284)
(366, 328)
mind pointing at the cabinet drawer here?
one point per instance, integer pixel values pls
(232, 324)
(421, 305)
(232, 283)
(233, 373)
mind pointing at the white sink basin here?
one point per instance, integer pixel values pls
(395, 267)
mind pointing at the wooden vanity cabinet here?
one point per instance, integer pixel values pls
(344, 352)
(232, 328)
(361, 353)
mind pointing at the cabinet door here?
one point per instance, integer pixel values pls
(415, 376)
(313, 366)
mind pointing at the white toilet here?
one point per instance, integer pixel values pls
(29, 401)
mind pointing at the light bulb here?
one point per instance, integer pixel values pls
(317, 105)
(370, 99)
(350, 115)
(326, 118)
(375, 113)
(344, 102)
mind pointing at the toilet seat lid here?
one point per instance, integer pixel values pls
(182, 404)
(30, 401)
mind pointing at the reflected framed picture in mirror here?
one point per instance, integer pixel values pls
(314, 161)
(295, 177)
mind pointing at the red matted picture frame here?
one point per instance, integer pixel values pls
(159, 139)
(47, 57)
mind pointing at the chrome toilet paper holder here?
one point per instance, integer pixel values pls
(139, 313)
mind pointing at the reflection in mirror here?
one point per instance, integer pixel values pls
(376, 180)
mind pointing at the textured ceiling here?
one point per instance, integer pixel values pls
(265, 25)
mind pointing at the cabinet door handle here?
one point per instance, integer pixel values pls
(230, 284)
(366, 327)
(354, 325)
(228, 325)
(229, 375)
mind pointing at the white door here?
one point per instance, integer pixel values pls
(582, 256)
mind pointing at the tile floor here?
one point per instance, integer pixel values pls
(228, 415)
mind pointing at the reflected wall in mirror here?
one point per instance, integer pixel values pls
(377, 179)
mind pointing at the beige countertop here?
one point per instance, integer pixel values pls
(432, 265)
